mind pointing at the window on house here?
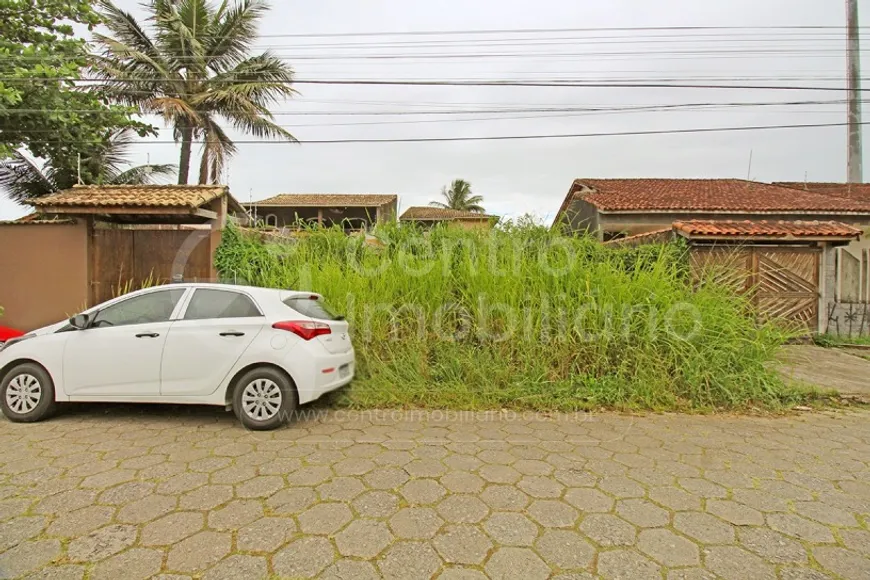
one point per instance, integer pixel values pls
(271, 220)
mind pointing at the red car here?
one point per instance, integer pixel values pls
(8, 333)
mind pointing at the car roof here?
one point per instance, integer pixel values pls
(241, 287)
(253, 290)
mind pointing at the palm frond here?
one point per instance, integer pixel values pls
(260, 127)
(130, 77)
(129, 48)
(113, 154)
(172, 109)
(232, 33)
(261, 80)
(227, 101)
(217, 148)
(126, 30)
(21, 179)
(144, 174)
(180, 26)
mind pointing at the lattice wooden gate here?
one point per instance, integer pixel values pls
(788, 284)
(783, 281)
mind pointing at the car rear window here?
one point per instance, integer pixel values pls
(311, 307)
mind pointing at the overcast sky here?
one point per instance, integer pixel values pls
(522, 176)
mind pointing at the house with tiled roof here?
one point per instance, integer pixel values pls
(429, 216)
(352, 211)
(616, 208)
(797, 245)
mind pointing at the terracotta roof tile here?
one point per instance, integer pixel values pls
(855, 191)
(725, 195)
(327, 200)
(181, 196)
(427, 213)
(63, 222)
(653, 237)
(772, 229)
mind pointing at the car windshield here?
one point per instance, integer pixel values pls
(312, 307)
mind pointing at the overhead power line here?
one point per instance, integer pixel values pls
(473, 51)
(551, 30)
(505, 109)
(508, 137)
(610, 84)
(504, 116)
(553, 84)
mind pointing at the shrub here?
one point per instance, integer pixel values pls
(521, 317)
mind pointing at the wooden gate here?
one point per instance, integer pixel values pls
(124, 260)
(788, 284)
(783, 281)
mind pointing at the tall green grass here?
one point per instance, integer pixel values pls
(523, 318)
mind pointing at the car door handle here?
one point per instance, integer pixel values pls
(233, 333)
(147, 335)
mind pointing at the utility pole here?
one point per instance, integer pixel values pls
(856, 161)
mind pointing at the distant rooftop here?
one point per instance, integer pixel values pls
(432, 213)
(326, 200)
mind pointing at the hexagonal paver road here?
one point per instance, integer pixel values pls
(136, 493)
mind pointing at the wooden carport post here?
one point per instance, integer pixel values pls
(217, 226)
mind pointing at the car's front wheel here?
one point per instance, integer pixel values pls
(264, 398)
(27, 394)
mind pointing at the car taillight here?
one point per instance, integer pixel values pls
(306, 330)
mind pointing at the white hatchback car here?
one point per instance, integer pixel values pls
(259, 351)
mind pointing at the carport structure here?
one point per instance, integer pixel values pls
(787, 266)
(91, 243)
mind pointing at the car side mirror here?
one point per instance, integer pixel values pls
(80, 321)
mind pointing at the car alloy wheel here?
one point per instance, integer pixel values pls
(23, 393)
(261, 399)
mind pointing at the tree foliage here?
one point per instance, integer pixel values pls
(40, 107)
(22, 179)
(192, 65)
(460, 197)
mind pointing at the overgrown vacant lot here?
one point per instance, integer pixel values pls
(523, 318)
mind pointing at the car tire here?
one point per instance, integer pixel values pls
(264, 398)
(27, 394)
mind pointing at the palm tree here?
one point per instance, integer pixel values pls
(459, 197)
(193, 67)
(22, 179)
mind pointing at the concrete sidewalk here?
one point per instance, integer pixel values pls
(123, 492)
(827, 368)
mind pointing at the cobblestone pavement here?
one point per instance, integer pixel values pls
(121, 493)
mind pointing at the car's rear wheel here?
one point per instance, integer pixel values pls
(264, 398)
(27, 394)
